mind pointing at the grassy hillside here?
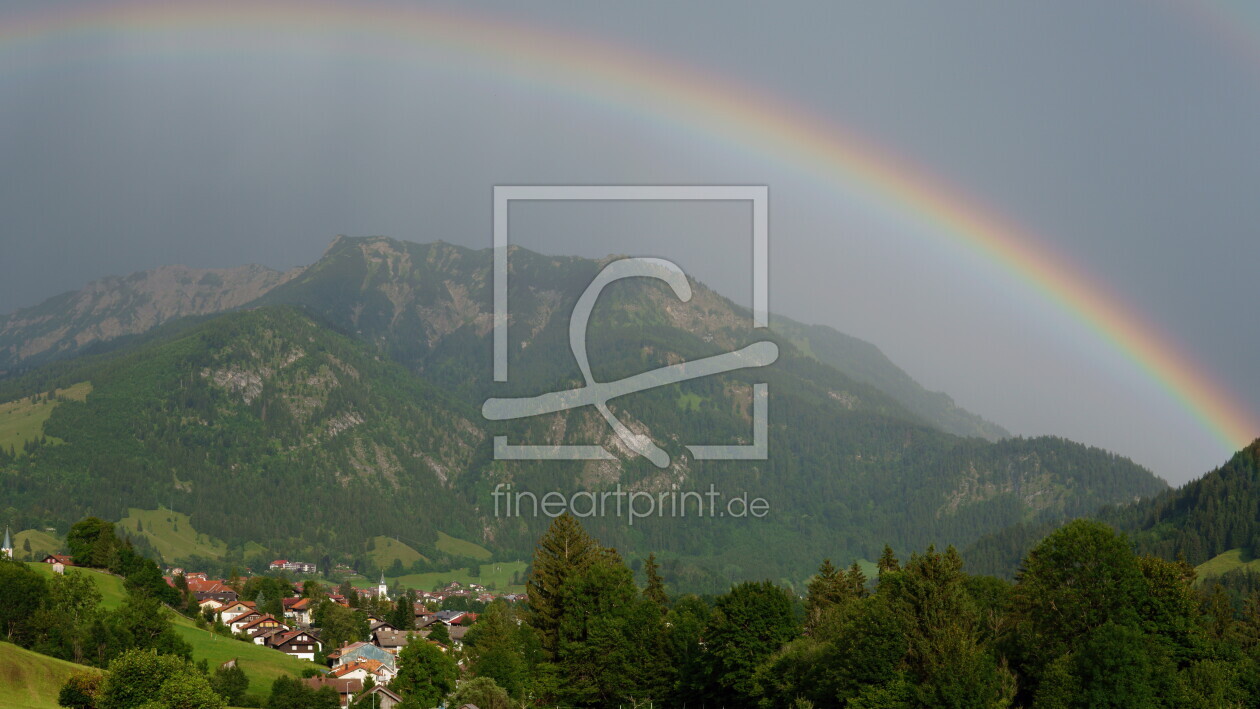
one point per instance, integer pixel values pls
(110, 586)
(385, 550)
(22, 421)
(171, 534)
(261, 665)
(42, 543)
(29, 680)
(458, 547)
(1231, 560)
(497, 575)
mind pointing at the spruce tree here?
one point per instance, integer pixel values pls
(827, 589)
(1250, 634)
(855, 580)
(888, 561)
(610, 639)
(655, 589)
(563, 551)
(403, 616)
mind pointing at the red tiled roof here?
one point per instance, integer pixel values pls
(370, 666)
(201, 585)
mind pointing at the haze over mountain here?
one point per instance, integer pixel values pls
(355, 386)
(113, 307)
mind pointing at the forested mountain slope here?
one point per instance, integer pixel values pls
(345, 404)
(1207, 517)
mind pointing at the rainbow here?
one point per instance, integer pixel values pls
(710, 106)
(1234, 23)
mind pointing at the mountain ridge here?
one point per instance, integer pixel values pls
(114, 307)
(117, 306)
(360, 425)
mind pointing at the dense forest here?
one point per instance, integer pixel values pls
(1202, 519)
(1087, 622)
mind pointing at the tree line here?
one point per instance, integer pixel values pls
(1087, 622)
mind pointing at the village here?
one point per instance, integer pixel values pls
(352, 669)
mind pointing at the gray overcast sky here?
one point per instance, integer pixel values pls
(1123, 133)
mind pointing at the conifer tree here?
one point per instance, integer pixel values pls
(855, 580)
(655, 589)
(609, 639)
(403, 616)
(1250, 631)
(563, 551)
(888, 561)
(827, 589)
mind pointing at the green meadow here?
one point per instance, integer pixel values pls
(385, 550)
(496, 575)
(1226, 562)
(41, 543)
(171, 534)
(458, 547)
(29, 680)
(261, 665)
(23, 420)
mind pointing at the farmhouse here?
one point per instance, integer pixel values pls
(298, 643)
(234, 610)
(254, 627)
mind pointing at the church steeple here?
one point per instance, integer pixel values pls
(381, 589)
(7, 549)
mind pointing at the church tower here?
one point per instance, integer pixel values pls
(382, 591)
(7, 549)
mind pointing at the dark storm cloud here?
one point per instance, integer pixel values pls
(1122, 134)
